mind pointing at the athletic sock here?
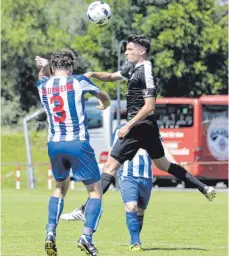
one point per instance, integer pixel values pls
(133, 227)
(106, 181)
(92, 214)
(55, 208)
(140, 220)
(184, 175)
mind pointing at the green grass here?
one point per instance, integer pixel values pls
(176, 223)
(14, 154)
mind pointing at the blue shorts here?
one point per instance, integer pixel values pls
(134, 189)
(76, 155)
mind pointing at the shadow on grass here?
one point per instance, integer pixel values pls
(173, 248)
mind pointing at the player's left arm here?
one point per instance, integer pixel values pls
(43, 65)
(145, 111)
(89, 86)
(104, 100)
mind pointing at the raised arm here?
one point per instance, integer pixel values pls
(104, 76)
(43, 66)
(123, 73)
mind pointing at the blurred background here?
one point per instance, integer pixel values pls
(189, 53)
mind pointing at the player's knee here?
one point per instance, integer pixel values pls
(131, 206)
(62, 187)
(111, 166)
(94, 190)
(162, 164)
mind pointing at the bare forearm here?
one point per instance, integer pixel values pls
(104, 76)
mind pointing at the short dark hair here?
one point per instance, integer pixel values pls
(141, 40)
(63, 59)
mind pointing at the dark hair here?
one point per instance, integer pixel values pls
(141, 40)
(63, 59)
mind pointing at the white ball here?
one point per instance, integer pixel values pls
(99, 12)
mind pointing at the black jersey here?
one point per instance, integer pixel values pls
(140, 85)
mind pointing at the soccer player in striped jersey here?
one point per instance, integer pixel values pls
(62, 96)
(135, 183)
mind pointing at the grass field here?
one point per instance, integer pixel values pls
(14, 153)
(176, 223)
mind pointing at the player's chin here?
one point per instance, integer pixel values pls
(130, 60)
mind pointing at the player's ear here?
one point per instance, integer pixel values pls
(143, 51)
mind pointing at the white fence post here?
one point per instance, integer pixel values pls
(30, 172)
(49, 178)
(18, 178)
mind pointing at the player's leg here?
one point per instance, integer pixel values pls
(93, 211)
(85, 169)
(129, 192)
(145, 188)
(122, 150)
(140, 216)
(109, 171)
(182, 174)
(152, 143)
(107, 178)
(60, 168)
(55, 208)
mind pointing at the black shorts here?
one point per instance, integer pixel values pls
(143, 135)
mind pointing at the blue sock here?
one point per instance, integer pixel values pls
(93, 211)
(140, 220)
(133, 227)
(55, 209)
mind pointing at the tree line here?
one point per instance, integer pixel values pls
(188, 45)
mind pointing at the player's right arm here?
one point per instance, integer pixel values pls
(43, 66)
(104, 76)
(123, 73)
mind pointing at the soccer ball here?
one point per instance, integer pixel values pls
(99, 12)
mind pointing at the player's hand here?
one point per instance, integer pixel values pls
(88, 74)
(41, 62)
(124, 131)
(101, 106)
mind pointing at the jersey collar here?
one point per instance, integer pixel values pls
(140, 64)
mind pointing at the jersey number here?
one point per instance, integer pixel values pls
(59, 108)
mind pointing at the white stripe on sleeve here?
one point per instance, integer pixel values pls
(148, 75)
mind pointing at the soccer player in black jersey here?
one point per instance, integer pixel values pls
(141, 130)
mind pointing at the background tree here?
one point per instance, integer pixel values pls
(189, 46)
(188, 38)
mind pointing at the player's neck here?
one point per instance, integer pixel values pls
(142, 60)
(60, 73)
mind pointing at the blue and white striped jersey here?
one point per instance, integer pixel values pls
(63, 100)
(140, 166)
